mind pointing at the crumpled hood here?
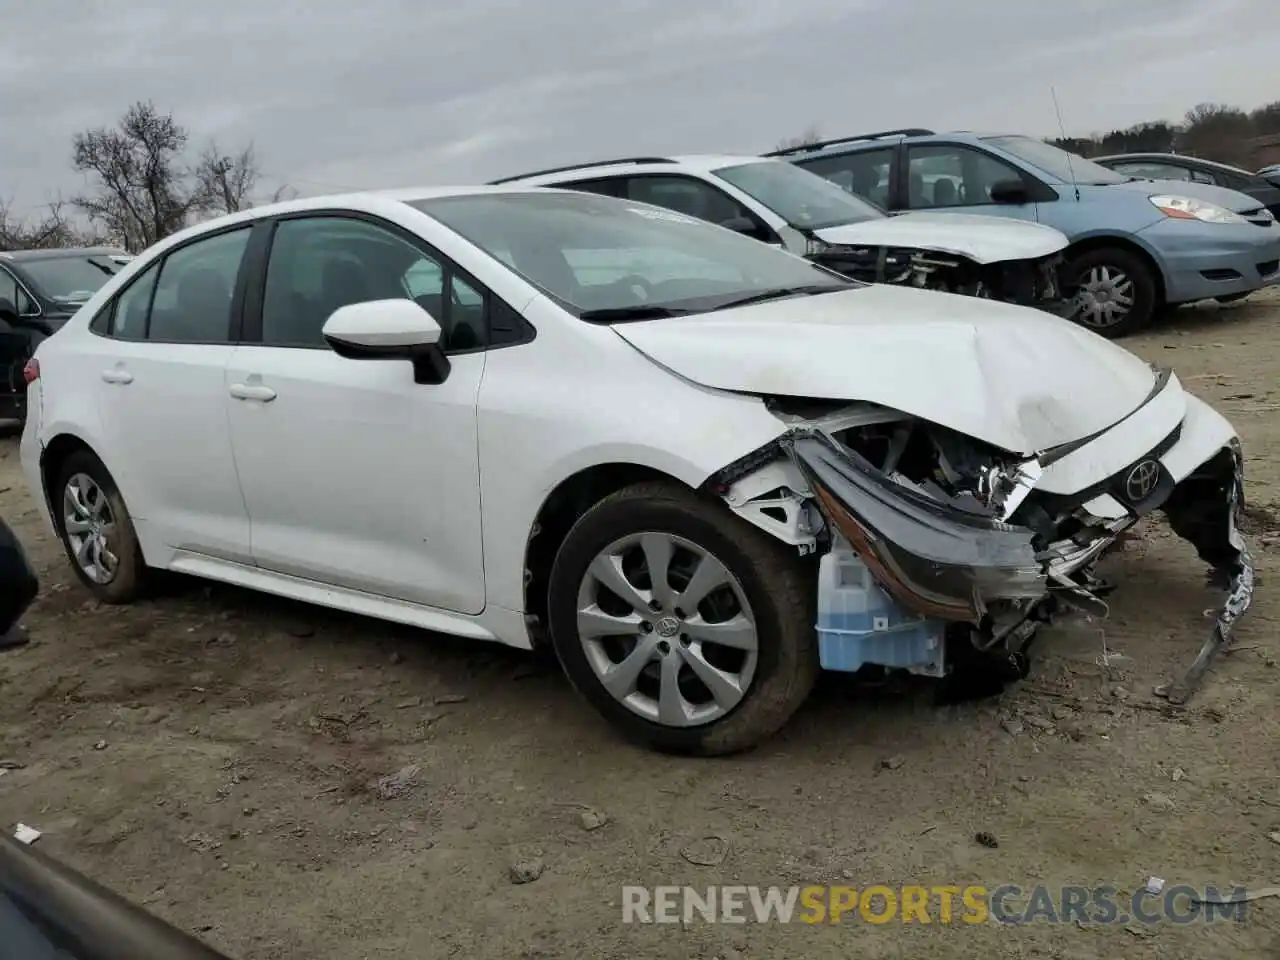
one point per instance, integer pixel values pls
(980, 238)
(1233, 200)
(1018, 378)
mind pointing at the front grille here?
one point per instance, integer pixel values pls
(1268, 267)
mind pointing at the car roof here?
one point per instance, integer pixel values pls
(872, 141)
(700, 162)
(367, 200)
(1194, 161)
(60, 253)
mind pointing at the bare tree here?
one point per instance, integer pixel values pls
(140, 189)
(1266, 119)
(224, 183)
(808, 138)
(54, 228)
(1217, 131)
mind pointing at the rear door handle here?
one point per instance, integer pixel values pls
(117, 375)
(245, 391)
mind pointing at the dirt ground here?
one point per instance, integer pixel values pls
(213, 754)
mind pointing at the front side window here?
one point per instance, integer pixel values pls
(949, 175)
(192, 302)
(864, 174)
(599, 256)
(12, 291)
(803, 199)
(689, 196)
(319, 264)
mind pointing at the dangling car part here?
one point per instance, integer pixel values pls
(918, 250)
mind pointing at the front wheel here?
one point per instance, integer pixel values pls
(1116, 292)
(688, 629)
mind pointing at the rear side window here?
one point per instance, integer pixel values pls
(192, 302)
(129, 321)
(865, 173)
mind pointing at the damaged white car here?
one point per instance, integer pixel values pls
(786, 206)
(698, 468)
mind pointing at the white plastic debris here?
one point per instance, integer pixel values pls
(1155, 885)
(24, 834)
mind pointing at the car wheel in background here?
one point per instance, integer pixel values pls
(687, 628)
(1115, 291)
(96, 530)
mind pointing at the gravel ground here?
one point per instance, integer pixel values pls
(216, 755)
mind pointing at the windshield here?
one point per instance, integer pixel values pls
(1058, 163)
(803, 199)
(608, 260)
(72, 279)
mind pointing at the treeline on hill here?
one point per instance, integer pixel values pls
(144, 183)
(1213, 131)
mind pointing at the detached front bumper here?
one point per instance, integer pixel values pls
(953, 562)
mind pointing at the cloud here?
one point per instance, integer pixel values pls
(394, 92)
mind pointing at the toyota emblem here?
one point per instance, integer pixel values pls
(1142, 480)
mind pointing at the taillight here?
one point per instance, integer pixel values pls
(31, 372)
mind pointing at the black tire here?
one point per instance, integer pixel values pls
(779, 587)
(1145, 293)
(130, 574)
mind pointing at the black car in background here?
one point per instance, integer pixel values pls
(1170, 166)
(39, 291)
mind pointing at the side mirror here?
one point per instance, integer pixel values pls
(1012, 190)
(389, 330)
(8, 312)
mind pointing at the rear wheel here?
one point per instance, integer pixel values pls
(1116, 291)
(688, 629)
(96, 530)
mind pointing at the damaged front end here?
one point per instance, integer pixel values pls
(1031, 283)
(941, 556)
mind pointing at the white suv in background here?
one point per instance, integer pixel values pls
(782, 204)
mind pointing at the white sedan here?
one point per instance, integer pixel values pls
(536, 416)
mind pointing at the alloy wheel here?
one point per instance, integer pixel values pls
(667, 629)
(90, 528)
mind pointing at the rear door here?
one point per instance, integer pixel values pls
(161, 396)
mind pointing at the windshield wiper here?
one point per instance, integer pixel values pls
(779, 293)
(651, 311)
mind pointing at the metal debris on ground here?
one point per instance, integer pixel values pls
(709, 851)
(592, 819)
(527, 870)
(24, 834)
(397, 784)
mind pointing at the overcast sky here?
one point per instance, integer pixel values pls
(338, 94)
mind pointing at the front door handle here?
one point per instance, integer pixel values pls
(245, 391)
(116, 375)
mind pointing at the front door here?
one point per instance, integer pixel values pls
(353, 474)
(958, 179)
(159, 381)
(15, 343)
